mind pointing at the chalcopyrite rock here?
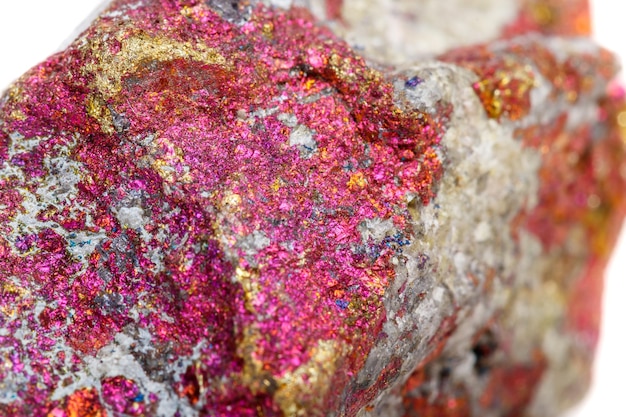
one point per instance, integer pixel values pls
(216, 208)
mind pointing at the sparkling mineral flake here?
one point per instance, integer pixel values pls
(204, 211)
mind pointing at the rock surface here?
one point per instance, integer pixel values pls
(222, 209)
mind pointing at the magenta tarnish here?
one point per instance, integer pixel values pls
(259, 133)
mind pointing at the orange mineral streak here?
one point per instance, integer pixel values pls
(82, 403)
(552, 17)
(505, 80)
(577, 185)
(514, 385)
(190, 384)
(454, 403)
(506, 76)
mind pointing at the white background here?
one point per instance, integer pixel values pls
(607, 395)
(32, 30)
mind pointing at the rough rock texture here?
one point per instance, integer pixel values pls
(405, 31)
(221, 209)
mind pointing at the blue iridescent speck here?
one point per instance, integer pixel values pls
(413, 82)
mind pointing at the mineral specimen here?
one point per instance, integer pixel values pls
(223, 209)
